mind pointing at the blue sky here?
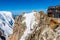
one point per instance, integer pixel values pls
(18, 6)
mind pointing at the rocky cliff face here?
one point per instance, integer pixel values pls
(34, 26)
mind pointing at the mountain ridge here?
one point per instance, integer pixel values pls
(34, 26)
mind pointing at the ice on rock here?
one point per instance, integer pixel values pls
(30, 21)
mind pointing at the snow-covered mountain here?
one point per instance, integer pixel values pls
(34, 26)
(27, 20)
(6, 22)
(30, 21)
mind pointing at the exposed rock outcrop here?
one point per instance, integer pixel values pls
(40, 30)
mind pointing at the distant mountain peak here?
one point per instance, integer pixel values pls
(6, 22)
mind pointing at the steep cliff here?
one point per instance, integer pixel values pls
(34, 26)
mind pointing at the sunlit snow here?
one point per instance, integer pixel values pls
(6, 22)
(30, 21)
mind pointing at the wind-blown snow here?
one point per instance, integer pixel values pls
(6, 22)
(30, 22)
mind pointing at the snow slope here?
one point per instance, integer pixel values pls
(30, 22)
(6, 22)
